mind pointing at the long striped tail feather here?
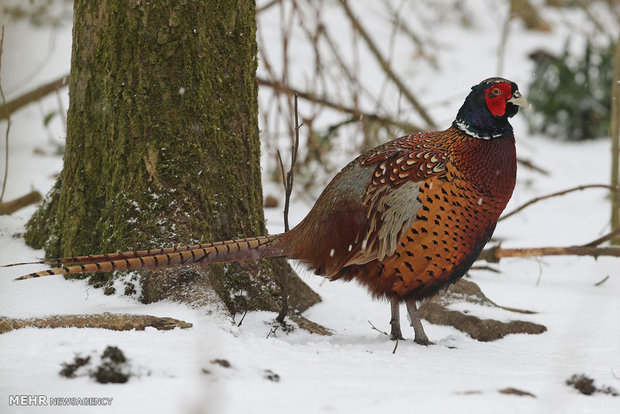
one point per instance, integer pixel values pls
(98, 258)
(251, 248)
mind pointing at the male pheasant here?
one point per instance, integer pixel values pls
(404, 219)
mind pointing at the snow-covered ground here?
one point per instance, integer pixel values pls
(354, 370)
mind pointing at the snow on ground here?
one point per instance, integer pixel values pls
(354, 370)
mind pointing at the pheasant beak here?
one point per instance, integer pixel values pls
(519, 100)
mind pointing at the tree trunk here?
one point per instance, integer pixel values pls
(163, 148)
(614, 130)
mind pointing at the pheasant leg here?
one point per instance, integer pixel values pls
(420, 335)
(395, 332)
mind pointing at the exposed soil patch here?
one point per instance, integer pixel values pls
(69, 368)
(113, 367)
(585, 385)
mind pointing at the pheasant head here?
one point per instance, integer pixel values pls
(488, 106)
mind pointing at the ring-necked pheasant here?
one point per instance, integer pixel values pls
(404, 219)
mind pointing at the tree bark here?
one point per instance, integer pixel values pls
(163, 147)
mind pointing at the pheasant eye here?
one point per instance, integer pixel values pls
(496, 92)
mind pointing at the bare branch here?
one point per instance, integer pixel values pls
(266, 6)
(529, 164)
(358, 114)
(501, 50)
(12, 206)
(287, 181)
(8, 123)
(34, 95)
(116, 322)
(280, 87)
(557, 194)
(420, 43)
(287, 178)
(386, 66)
(614, 131)
(494, 254)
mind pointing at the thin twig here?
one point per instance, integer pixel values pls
(614, 131)
(287, 181)
(377, 329)
(272, 331)
(395, 346)
(488, 268)
(266, 6)
(281, 87)
(287, 178)
(8, 122)
(332, 129)
(529, 164)
(603, 239)
(61, 110)
(540, 271)
(242, 318)
(557, 194)
(404, 27)
(602, 281)
(386, 334)
(502, 42)
(386, 67)
(357, 88)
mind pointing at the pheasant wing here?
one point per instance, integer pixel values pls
(391, 198)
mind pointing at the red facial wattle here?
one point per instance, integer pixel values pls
(496, 97)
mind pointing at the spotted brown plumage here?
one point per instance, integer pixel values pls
(404, 219)
(457, 208)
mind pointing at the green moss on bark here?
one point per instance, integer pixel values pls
(162, 138)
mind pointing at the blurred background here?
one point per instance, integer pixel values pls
(365, 71)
